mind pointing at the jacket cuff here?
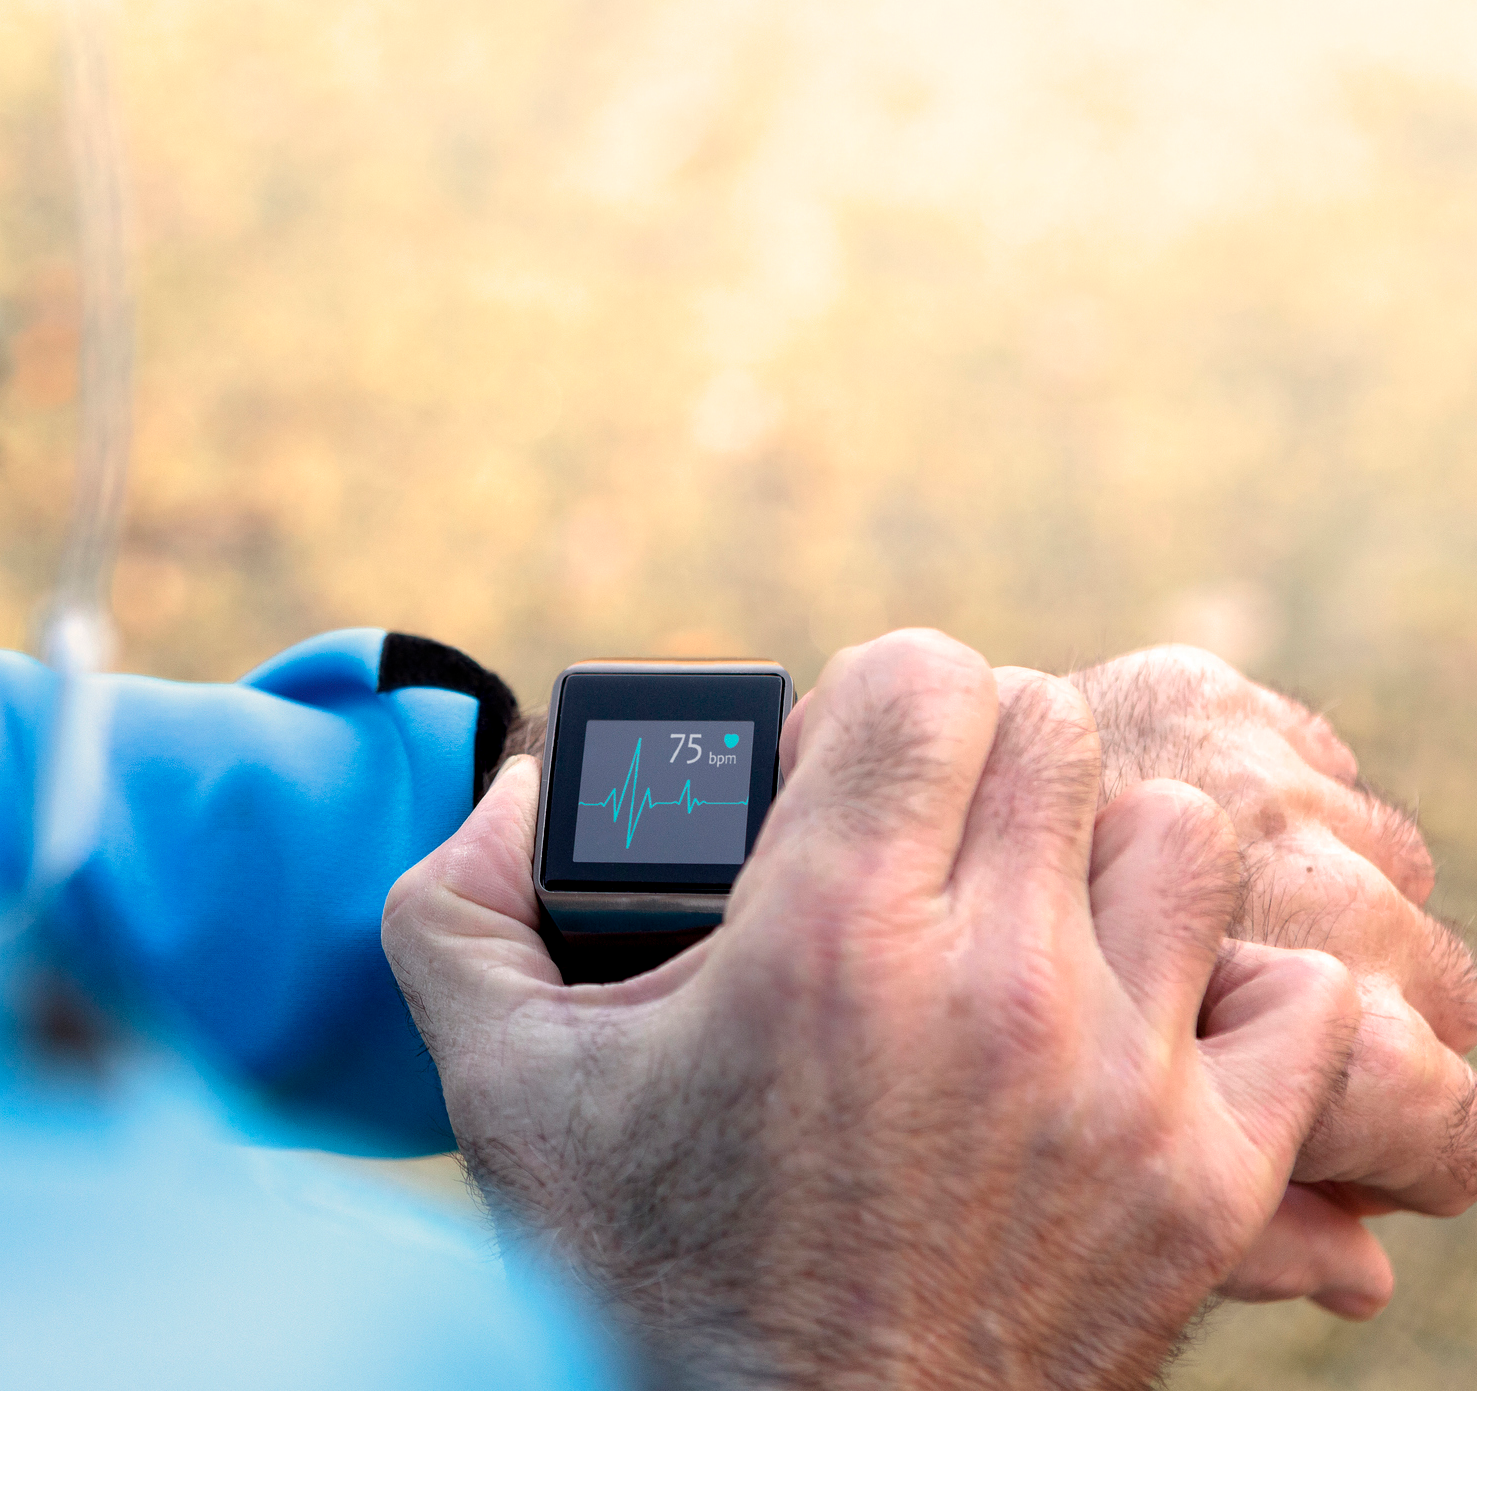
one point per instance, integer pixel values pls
(414, 661)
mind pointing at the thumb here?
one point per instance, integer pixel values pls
(488, 861)
(531, 1070)
(475, 887)
(1275, 1036)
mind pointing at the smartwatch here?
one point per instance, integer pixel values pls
(656, 778)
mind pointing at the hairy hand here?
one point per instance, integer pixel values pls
(1327, 865)
(943, 1102)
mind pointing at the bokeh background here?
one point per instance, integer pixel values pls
(691, 326)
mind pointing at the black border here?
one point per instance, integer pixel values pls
(654, 695)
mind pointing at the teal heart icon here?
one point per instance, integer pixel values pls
(731, 740)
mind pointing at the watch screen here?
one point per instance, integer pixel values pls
(664, 791)
(659, 781)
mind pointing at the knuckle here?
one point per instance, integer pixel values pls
(1165, 712)
(1207, 677)
(1187, 832)
(1324, 973)
(1044, 717)
(1320, 726)
(1190, 816)
(916, 657)
(1327, 984)
(1454, 957)
(1306, 891)
(1461, 1153)
(1324, 741)
(1056, 696)
(1441, 976)
(886, 708)
(1192, 660)
(1395, 832)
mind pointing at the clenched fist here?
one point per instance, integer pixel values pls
(1326, 865)
(963, 1091)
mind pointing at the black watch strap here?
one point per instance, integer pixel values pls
(414, 661)
(605, 958)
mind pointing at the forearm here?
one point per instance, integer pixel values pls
(247, 835)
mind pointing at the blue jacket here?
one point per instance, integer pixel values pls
(239, 846)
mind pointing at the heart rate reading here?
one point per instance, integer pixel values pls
(662, 792)
(616, 799)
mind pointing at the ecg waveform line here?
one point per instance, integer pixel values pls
(616, 799)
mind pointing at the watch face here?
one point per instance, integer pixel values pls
(638, 820)
(659, 781)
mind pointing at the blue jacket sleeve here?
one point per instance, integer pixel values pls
(246, 837)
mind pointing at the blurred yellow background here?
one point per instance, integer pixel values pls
(671, 327)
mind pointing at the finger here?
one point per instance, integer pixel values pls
(1385, 835)
(1312, 1248)
(1405, 1124)
(887, 757)
(1307, 890)
(791, 734)
(1308, 733)
(476, 885)
(1276, 1032)
(1269, 789)
(1170, 693)
(1267, 758)
(1030, 828)
(1163, 885)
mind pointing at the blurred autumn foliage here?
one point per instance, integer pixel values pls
(671, 327)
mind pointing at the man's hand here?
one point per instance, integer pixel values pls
(1327, 865)
(942, 1102)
